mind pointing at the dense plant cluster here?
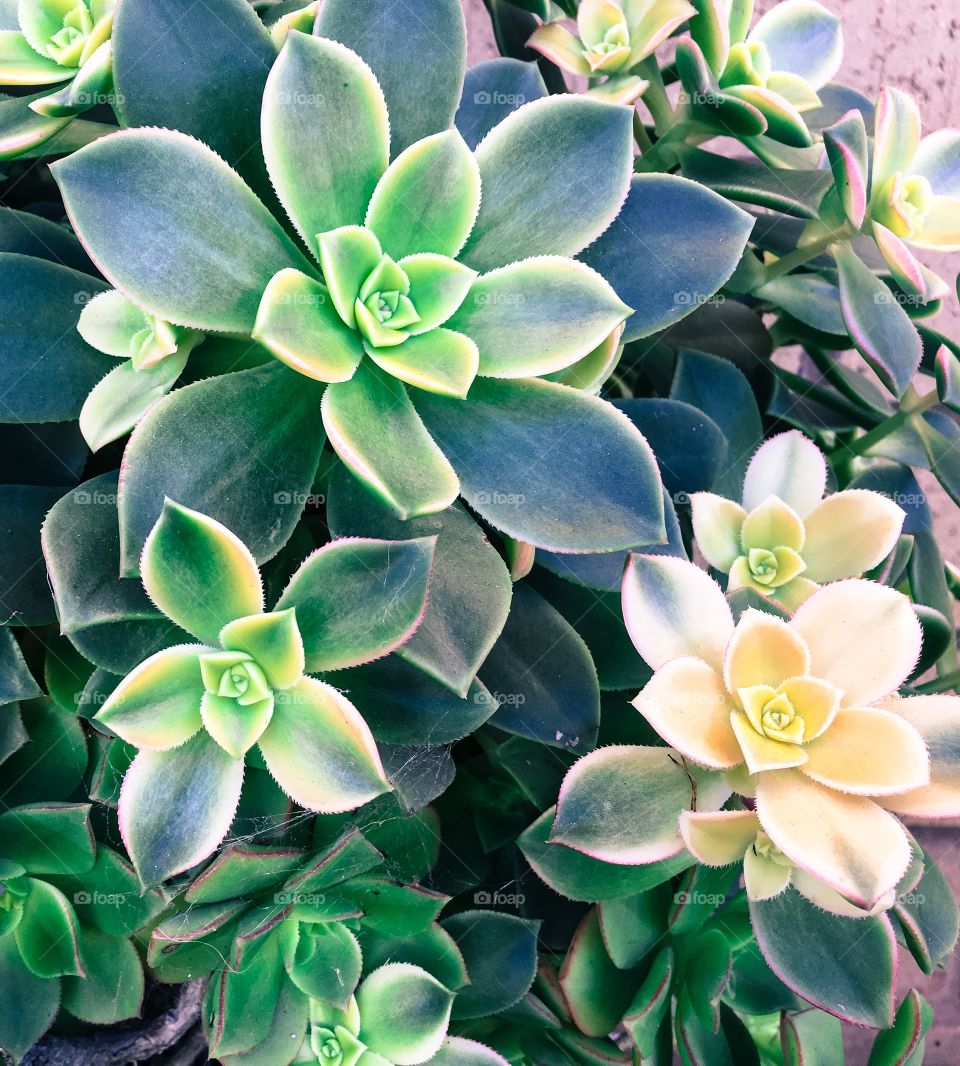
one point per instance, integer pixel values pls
(467, 594)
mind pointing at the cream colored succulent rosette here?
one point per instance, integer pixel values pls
(786, 539)
(804, 720)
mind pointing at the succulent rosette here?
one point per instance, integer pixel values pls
(771, 71)
(196, 710)
(786, 538)
(612, 37)
(63, 45)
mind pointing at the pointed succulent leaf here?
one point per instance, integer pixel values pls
(592, 984)
(459, 1051)
(127, 203)
(846, 145)
(537, 316)
(110, 321)
(325, 133)
(48, 838)
(327, 963)
(242, 447)
(490, 441)
(21, 64)
(23, 130)
(801, 37)
(273, 640)
(419, 61)
(428, 198)
(298, 323)
(491, 91)
(348, 256)
(158, 704)
(576, 154)
(176, 806)
(441, 361)
(234, 726)
(359, 599)
(320, 750)
(878, 325)
(89, 87)
(843, 966)
(896, 137)
(404, 1013)
(378, 434)
(622, 804)
(661, 215)
(48, 934)
(784, 122)
(199, 573)
(118, 401)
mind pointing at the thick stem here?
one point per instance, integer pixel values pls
(803, 254)
(947, 683)
(912, 405)
(655, 96)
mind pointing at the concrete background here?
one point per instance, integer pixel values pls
(914, 46)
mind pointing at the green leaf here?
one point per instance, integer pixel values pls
(243, 993)
(111, 621)
(596, 992)
(112, 990)
(24, 590)
(46, 367)
(718, 389)
(107, 897)
(48, 838)
(16, 681)
(348, 256)
(36, 236)
(25, 1017)
(199, 573)
(274, 641)
(903, 1043)
(458, 1051)
(327, 963)
(646, 1012)
(203, 74)
(542, 677)
(48, 935)
(929, 918)
(157, 705)
(325, 134)
(810, 298)
(469, 591)
(441, 361)
(877, 323)
(378, 434)
(844, 965)
(285, 1035)
(621, 804)
(254, 867)
(537, 316)
(51, 764)
(491, 91)
(404, 705)
(22, 130)
(404, 1013)
(242, 448)
(419, 60)
(298, 323)
(554, 175)
(847, 150)
(427, 199)
(320, 750)
(500, 951)
(633, 925)
(491, 438)
(358, 599)
(803, 38)
(176, 806)
(793, 192)
(198, 253)
(665, 221)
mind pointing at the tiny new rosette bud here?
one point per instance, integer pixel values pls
(786, 539)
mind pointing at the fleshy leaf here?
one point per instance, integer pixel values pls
(419, 61)
(158, 705)
(490, 440)
(48, 933)
(320, 750)
(275, 642)
(199, 573)
(128, 204)
(235, 727)
(299, 324)
(537, 316)
(802, 37)
(404, 1013)
(846, 145)
(348, 255)
(575, 173)
(359, 599)
(176, 806)
(325, 134)
(442, 361)
(24, 1018)
(427, 199)
(491, 91)
(622, 805)
(49, 838)
(375, 430)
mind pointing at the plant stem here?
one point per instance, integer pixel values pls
(662, 156)
(655, 96)
(939, 684)
(804, 253)
(912, 405)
